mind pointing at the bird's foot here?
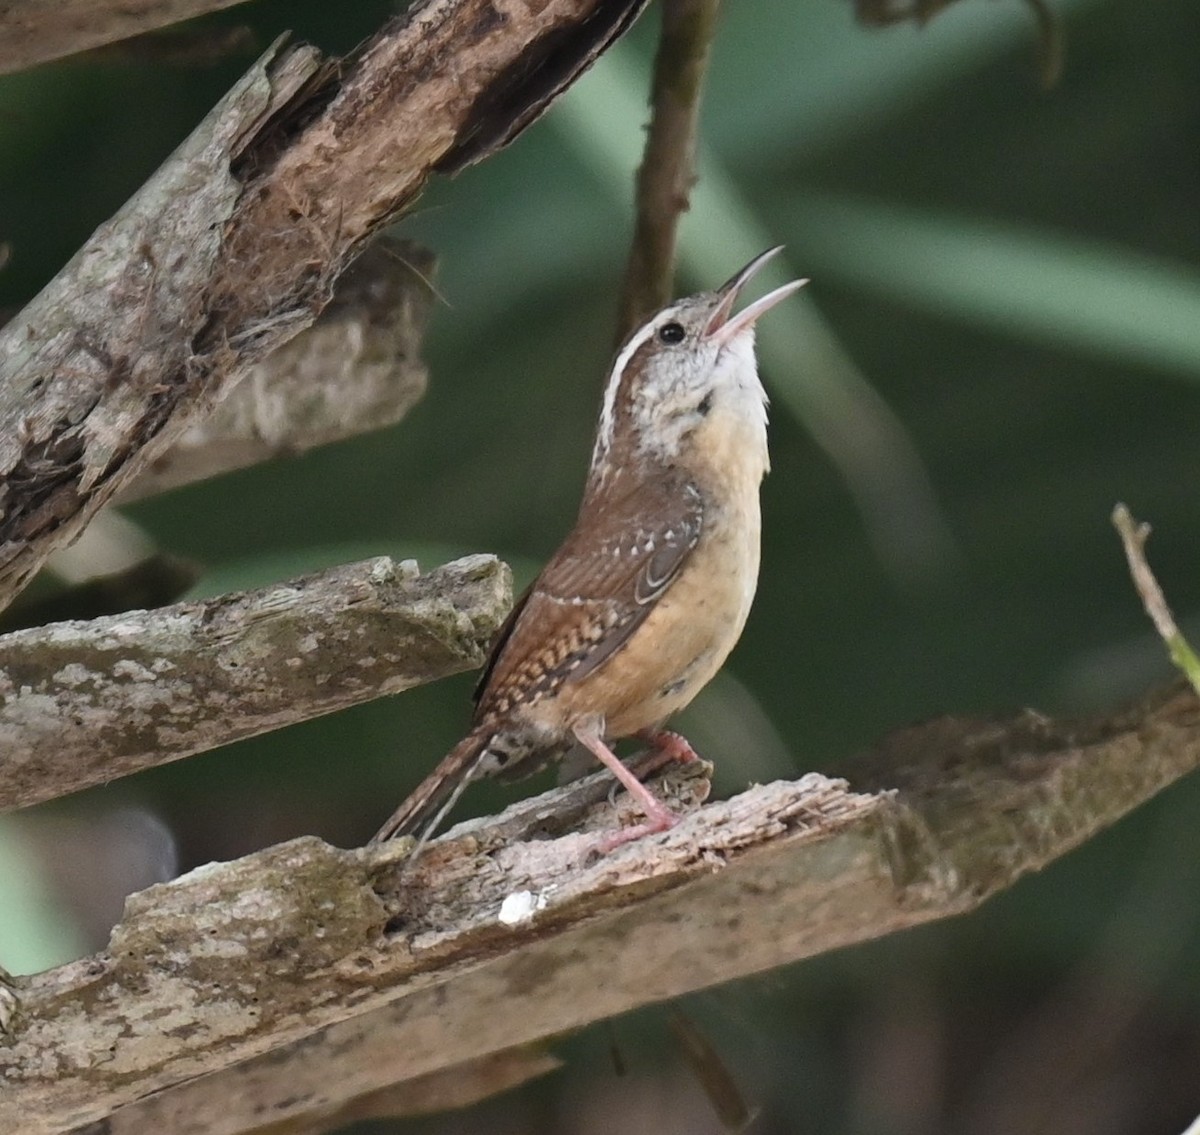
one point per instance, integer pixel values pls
(662, 821)
(668, 746)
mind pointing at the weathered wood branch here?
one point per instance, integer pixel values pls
(356, 369)
(83, 703)
(344, 972)
(36, 31)
(233, 246)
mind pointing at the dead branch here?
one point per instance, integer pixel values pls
(36, 31)
(356, 369)
(83, 703)
(664, 180)
(343, 972)
(233, 246)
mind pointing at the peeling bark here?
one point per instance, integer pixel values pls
(234, 245)
(92, 369)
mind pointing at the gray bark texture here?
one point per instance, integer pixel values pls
(304, 983)
(83, 703)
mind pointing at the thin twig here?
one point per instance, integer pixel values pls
(667, 171)
(712, 1072)
(1133, 537)
(1051, 39)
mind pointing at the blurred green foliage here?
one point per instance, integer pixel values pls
(1013, 273)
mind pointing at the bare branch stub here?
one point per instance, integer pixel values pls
(1133, 539)
(84, 703)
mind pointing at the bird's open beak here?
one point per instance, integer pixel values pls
(720, 326)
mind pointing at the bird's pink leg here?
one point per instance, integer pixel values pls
(659, 817)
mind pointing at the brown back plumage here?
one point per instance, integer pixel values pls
(623, 553)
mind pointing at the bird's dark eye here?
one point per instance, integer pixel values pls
(671, 333)
(704, 405)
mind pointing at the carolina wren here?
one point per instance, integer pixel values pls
(641, 604)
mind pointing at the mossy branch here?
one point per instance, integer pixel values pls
(367, 979)
(83, 703)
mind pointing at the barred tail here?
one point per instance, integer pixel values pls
(426, 806)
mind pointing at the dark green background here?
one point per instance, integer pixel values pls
(1014, 272)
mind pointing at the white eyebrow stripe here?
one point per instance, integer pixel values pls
(609, 408)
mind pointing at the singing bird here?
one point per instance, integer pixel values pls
(644, 600)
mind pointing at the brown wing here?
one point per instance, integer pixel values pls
(624, 552)
(502, 637)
